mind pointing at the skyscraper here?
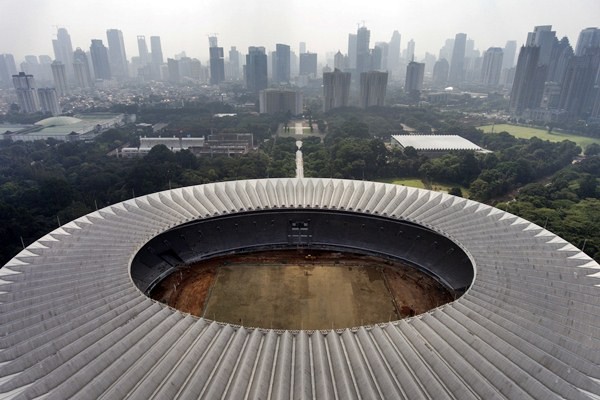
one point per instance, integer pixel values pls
(302, 47)
(116, 54)
(410, 51)
(543, 37)
(308, 64)
(157, 56)
(336, 89)
(63, 51)
(234, 63)
(562, 52)
(526, 92)
(577, 93)
(339, 61)
(363, 55)
(49, 101)
(217, 61)
(281, 63)
(441, 69)
(100, 61)
(173, 66)
(588, 38)
(256, 69)
(492, 66)
(457, 63)
(352, 51)
(27, 94)
(394, 52)
(7, 69)
(81, 67)
(60, 78)
(373, 85)
(414, 78)
(509, 53)
(143, 51)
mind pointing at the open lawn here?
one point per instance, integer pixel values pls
(526, 132)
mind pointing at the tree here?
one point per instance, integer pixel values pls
(592, 149)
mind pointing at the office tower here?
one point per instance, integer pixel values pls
(440, 72)
(308, 64)
(280, 101)
(31, 66)
(116, 54)
(373, 85)
(492, 66)
(7, 69)
(577, 92)
(63, 50)
(352, 51)
(446, 50)
(157, 56)
(49, 101)
(336, 89)
(470, 51)
(588, 38)
(457, 63)
(81, 66)
(414, 78)
(543, 37)
(27, 94)
(217, 61)
(302, 48)
(409, 54)
(234, 63)
(256, 69)
(363, 55)
(45, 69)
(60, 78)
(394, 52)
(339, 61)
(100, 61)
(510, 51)
(526, 84)
(377, 62)
(562, 52)
(143, 51)
(429, 61)
(173, 66)
(281, 63)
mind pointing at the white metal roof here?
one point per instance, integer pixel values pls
(436, 142)
(73, 324)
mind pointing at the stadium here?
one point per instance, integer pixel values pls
(77, 319)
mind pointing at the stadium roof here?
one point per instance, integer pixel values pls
(436, 142)
(73, 324)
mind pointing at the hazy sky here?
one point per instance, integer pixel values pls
(28, 26)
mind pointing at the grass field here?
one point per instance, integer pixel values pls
(526, 132)
(418, 183)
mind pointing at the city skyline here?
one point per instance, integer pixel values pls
(429, 23)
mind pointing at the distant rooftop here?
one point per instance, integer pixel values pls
(435, 142)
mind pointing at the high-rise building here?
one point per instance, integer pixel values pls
(217, 61)
(363, 55)
(352, 51)
(116, 54)
(81, 66)
(7, 69)
(588, 38)
(440, 72)
(577, 93)
(49, 101)
(143, 51)
(284, 101)
(45, 68)
(415, 72)
(339, 61)
(63, 51)
(234, 64)
(409, 54)
(27, 95)
(308, 64)
(446, 50)
(526, 91)
(509, 53)
(336, 89)
(157, 56)
(256, 69)
(457, 63)
(562, 52)
(302, 47)
(394, 53)
(377, 56)
(100, 60)
(174, 75)
(543, 37)
(59, 74)
(373, 85)
(492, 66)
(281, 63)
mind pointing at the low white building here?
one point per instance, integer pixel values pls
(435, 143)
